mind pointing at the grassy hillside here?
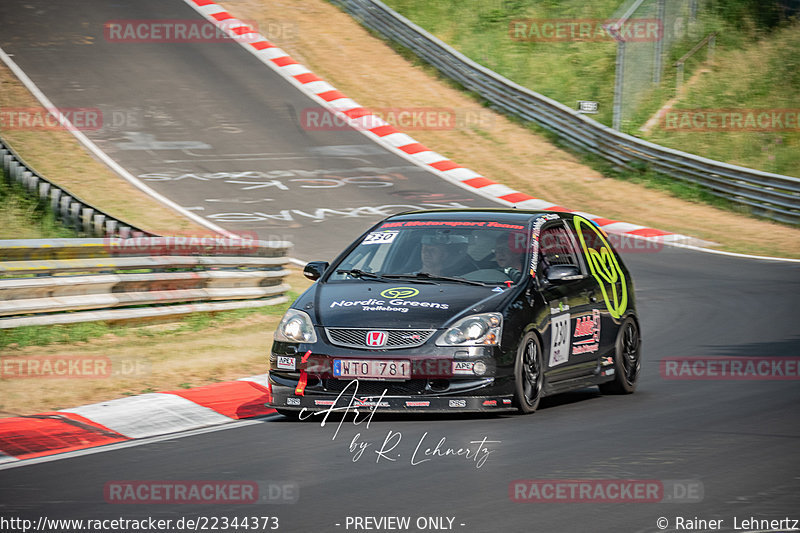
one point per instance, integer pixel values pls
(764, 75)
(565, 71)
(757, 54)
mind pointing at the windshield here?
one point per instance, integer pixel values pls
(476, 251)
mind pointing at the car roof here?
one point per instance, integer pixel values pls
(489, 214)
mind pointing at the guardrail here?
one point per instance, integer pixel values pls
(772, 196)
(58, 281)
(70, 210)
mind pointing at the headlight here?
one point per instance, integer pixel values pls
(295, 326)
(484, 329)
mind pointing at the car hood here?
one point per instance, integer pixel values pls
(407, 305)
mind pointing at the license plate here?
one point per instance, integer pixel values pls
(375, 369)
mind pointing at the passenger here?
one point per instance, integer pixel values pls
(445, 254)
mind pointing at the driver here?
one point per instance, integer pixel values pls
(509, 261)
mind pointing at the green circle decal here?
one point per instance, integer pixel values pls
(400, 292)
(604, 267)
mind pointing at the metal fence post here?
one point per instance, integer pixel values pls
(658, 52)
(712, 42)
(619, 82)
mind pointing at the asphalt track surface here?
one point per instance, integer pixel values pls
(209, 126)
(738, 440)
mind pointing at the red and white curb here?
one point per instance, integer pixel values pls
(136, 417)
(361, 119)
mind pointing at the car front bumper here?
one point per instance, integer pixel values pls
(481, 395)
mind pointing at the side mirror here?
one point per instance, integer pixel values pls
(315, 269)
(562, 273)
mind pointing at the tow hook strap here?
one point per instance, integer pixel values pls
(300, 390)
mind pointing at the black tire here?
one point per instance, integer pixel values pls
(528, 374)
(627, 360)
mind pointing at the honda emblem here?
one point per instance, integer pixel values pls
(376, 338)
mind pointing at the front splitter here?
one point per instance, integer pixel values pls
(285, 399)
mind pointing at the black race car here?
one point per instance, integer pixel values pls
(459, 310)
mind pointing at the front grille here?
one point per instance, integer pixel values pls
(397, 338)
(376, 388)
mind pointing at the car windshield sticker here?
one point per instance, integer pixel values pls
(537, 227)
(604, 266)
(380, 237)
(451, 224)
(559, 339)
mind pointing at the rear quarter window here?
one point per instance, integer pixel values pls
(603, 264)
(556, 247)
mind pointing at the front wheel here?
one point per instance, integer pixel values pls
(528, 374)
(627, 360)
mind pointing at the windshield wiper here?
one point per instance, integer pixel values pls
(361, 274)
(426, 276)
(415, 277)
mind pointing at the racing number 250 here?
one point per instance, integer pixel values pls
(559, 344)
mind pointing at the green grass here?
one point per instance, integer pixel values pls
(564, 71)
(59, 334)
(756, 66)
(81, 332)
(24, 217)
(763, 76)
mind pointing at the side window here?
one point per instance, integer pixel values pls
(556, 248)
